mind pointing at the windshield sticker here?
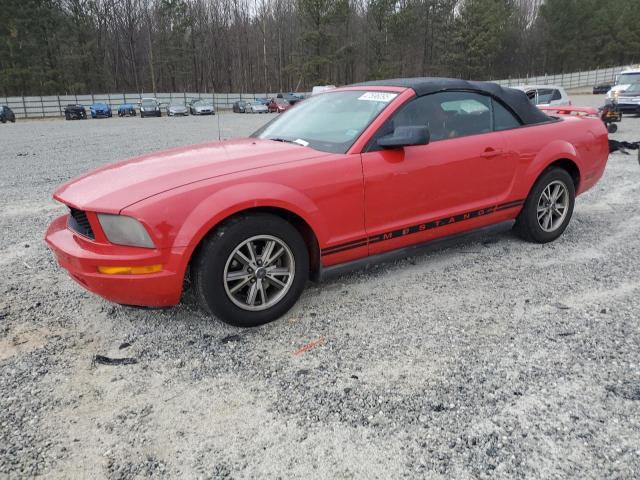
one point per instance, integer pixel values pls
(385, 97)
(299, 141)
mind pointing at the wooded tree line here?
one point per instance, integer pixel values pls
(83, 46)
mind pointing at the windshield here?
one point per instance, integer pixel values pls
(177, 104)
(149, 103)
(627, 78)
(201, 103)
(330, 122)
(634, 89)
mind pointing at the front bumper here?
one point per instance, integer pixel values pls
(82, 257)
(629, 107)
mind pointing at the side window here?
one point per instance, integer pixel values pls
(503, 119)
(556, 95)
(445, 114)
(545, 95)
(465, 113)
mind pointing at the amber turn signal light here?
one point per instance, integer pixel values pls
(130, 270)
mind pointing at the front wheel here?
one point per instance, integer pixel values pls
(251, 270)
(548, 208)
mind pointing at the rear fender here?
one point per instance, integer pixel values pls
(550, 153)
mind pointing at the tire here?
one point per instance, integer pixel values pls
(216, 258)
(3, 120)
(67, 116)
(527, 224)
(612, 128)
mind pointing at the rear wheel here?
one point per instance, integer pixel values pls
(548, 208)
(251, 270)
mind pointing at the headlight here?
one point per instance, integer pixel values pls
(123, 230)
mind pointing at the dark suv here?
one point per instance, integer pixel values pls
(75, 112)
(6, 114)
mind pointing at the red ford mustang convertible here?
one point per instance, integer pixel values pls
(356, 173)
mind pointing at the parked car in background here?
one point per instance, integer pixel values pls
(262, 100)
(150, 107)
(100, 110)
(628, 101)
(358, 174)
(256, 107)
(278, 105)
(624, 80)
(75, 112)
(601, 88)
(545, 94)
(127, 110)
(240, 106)
(202, 107)
(321, 88)
(7, 115)
(291, 97)
(177, 109)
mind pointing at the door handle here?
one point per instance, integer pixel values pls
(490, 152)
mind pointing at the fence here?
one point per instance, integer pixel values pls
(567, 80)
(53, 106)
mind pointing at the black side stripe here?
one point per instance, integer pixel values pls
(342, 246)
(420, 227)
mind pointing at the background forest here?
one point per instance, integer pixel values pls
(83, 46)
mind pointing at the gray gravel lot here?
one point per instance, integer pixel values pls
(490, 359)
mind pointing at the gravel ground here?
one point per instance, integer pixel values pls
(490, 359)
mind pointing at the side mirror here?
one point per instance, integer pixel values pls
(405, 137)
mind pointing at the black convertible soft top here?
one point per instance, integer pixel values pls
(516, 100)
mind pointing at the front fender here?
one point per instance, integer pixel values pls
(183, 216)
(230, 200)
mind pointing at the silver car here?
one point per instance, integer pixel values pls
(256, 107)
(545, 94)
(177, 108)
(202, 107)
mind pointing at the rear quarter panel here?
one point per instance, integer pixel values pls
(583, 140)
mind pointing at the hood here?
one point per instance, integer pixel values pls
(204, 107)
(111, 188)
(617, 88)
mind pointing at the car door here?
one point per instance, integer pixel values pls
(417, 193)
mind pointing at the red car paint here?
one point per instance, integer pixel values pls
(356, 204)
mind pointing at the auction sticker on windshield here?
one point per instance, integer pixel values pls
(385, 97)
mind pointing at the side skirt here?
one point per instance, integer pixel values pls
(419, 249)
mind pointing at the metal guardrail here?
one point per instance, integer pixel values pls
(53, 106)
(567, 80)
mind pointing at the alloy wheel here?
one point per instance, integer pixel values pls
(553, 206)
(259, 273)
